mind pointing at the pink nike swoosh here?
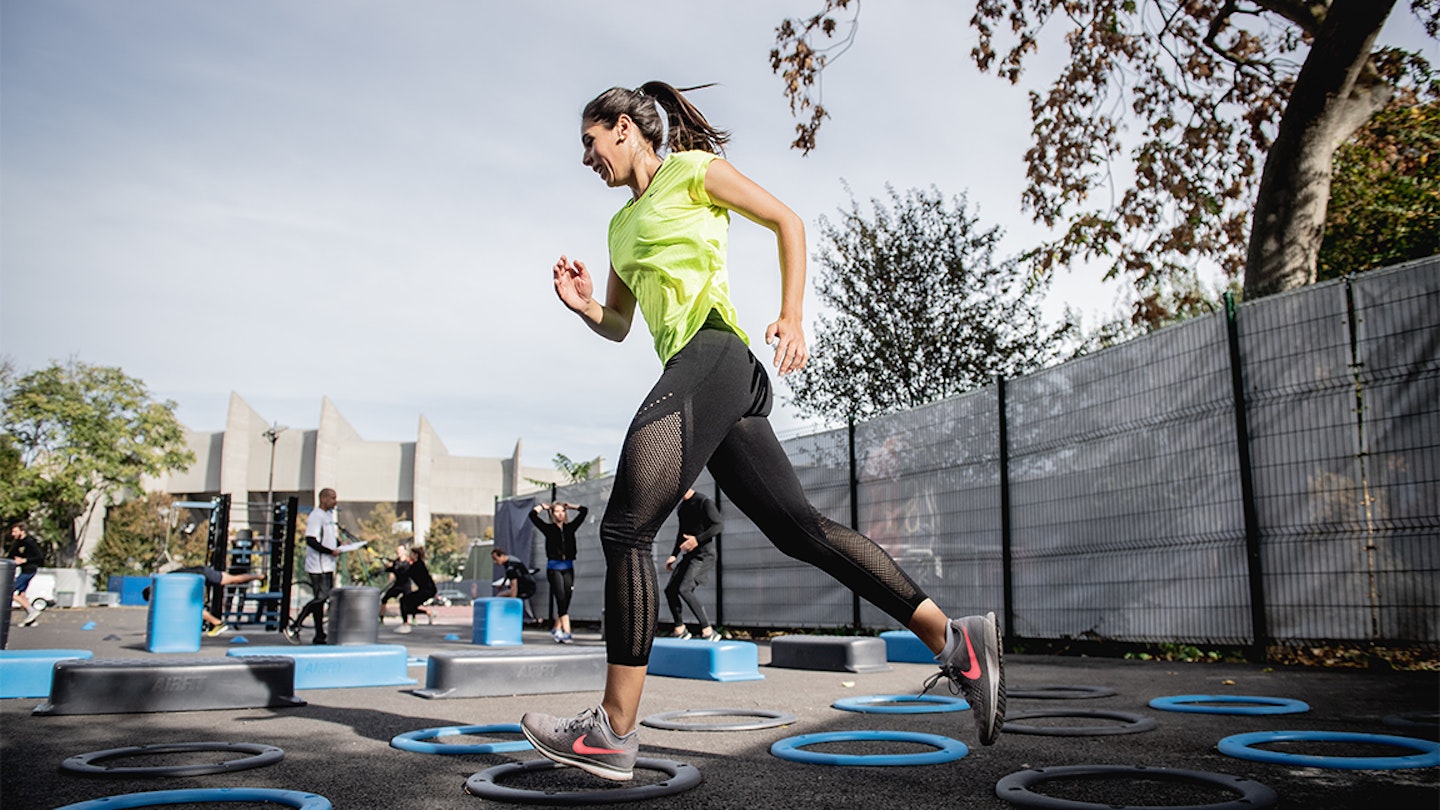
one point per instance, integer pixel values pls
(580, 747)
(974, 671)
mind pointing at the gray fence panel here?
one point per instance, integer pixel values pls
(1300, 404)
(929, 494)
(1125, 507)
(764, 588)
(1125, 503)
(1398, 352)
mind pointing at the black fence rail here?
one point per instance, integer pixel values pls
(1266, 475)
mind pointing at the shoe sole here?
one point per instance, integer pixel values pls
(589, 766)
(997, 685)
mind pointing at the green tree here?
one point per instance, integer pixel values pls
(84, 435)
(575, 471)
(382, 530)
(1385, 201)
(446, 549)
(144, 534)
(923, 310)
(1238, 107)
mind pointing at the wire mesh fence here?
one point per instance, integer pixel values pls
(1153, 492)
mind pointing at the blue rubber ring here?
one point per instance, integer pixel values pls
(791, 748)
(412, 740)
(895, 704)
(1238, 746)
(1250, 704)
(288, 798)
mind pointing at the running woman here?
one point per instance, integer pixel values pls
(709, 409)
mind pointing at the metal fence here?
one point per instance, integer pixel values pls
(1125, 496)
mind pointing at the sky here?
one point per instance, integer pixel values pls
(362, 200)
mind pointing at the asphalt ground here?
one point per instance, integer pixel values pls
(338, 745)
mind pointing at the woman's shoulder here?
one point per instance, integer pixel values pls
(693, 159)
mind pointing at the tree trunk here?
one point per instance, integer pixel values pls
(1335, 93)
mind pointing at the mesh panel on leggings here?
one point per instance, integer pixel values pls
(630, 597)
(860, 552)
(651, 463)
(651, 466)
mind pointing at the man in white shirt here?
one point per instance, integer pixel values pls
(322, 542)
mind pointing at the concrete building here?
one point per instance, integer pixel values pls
(420, 478)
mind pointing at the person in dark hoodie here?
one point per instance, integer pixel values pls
(560, 559)
(691, 561)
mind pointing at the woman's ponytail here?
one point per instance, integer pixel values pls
(687, 126)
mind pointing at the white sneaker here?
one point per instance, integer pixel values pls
(404, 629)
(31, 616)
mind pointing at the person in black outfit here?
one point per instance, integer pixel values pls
(691, 560)
(517, 582)
(424, 588)
(560, 559)
(28, 557)
(398, 569)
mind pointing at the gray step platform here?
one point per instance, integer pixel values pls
(829, 653)
(169, 684)
(497, 671)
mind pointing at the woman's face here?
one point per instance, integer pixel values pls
(604, 151)
(559, 513)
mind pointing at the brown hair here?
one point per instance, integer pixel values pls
(688, 127)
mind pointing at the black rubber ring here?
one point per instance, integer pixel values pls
(773, 719)
(484, 784)
(1015, 788)
(1062, 692)
(87, 764)
(1134, 723)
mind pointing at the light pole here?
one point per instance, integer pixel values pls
(272, 435)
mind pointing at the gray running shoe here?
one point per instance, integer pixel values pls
(585, 741)
(291, 634)
(973, 662)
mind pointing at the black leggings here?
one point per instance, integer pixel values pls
(710, 409)
(691, 571)
(562, 585)
(410, 603)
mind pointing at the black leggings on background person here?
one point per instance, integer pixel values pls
(410, 603)
(562, 587)
(710, 409)
(320, 585)
(690, 572)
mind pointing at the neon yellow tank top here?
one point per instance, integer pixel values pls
(668, 246)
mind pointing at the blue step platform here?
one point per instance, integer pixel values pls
(705, 660)
(169, 684)
(26, 673)
(903, 646)
(497, 621)
(327, 667)
(173, 622)
(829, 653)
(513, 671)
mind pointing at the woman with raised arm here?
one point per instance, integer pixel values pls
(560, 559)
(709, 409)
